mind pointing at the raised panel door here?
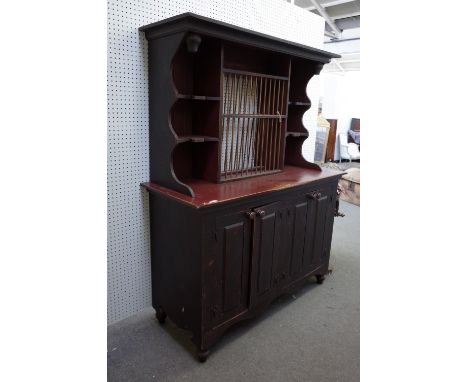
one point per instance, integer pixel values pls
(227, 268)
(266, 250)
(319, 226)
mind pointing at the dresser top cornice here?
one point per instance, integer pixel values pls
(190, 22)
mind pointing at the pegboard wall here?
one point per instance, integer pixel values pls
(128, 258)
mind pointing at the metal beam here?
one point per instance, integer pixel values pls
(327, 18)
(345, 15)
(348, 23)
(334, 67)
(347, 61)
(342, 40)
(338, 64)
(329, 4)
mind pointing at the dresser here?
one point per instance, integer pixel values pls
(238, 216)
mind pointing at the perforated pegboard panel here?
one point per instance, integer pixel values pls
(129, 281)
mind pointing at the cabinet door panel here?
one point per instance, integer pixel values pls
(266, 250)
(327, 237)
(299, 234)
(234, 256)
(282, 265)
(227, 268)
(318, 215)
(317, 211)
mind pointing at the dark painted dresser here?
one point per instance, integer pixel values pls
(238, 216)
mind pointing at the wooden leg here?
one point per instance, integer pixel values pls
(203, 355)
(161, 315)
(320, 279)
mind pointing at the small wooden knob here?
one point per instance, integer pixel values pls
(250, 214)
(314, 195)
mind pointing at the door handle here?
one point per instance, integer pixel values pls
(251, 215)
(314, 195)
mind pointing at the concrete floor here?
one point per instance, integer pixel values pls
(312, 335)
(343, 166)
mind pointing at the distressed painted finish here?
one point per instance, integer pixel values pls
(222, 251)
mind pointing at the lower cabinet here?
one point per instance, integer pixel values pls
(254, 253)
(215, 266)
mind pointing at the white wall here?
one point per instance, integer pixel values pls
(341, 99)
(128, 257)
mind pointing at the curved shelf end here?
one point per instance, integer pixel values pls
(293, 153)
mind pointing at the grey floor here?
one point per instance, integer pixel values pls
(343, 166)
(312, 335)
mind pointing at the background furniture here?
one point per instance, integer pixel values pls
(321, 139)
(237, 215)
(355, 124)
(351, 186)
(348, 150)
(354, 133)
(330, 153)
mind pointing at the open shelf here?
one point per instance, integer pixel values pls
(196, 139)
(197, 97)
(304, 104)
(195, 118)
(295, 115)
(301, 73)
(198, 72)
(296, 134)
(196, 159)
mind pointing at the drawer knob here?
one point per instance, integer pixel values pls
(250, 214)
(261, 213)
(314, 195)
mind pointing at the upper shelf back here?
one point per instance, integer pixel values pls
(260, 61)
(198, 74)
